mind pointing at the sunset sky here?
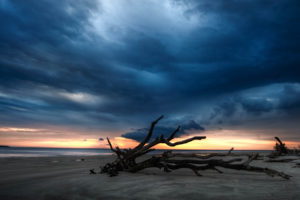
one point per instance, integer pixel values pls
(75, 72)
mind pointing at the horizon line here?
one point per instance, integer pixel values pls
(7, 146)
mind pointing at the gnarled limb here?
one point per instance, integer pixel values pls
(149, 134)
(280, 147)
(211, 155)
(284, 160)
(168, 161)
(282, 150)
(167, 142)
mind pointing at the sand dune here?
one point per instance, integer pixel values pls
(68, 178)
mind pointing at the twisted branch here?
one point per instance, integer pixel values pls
(168, 161)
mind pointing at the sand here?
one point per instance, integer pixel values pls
(68, 177)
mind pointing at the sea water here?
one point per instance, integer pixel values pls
(47, 152)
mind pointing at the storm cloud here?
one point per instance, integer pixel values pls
(140, 134)
(115, 65)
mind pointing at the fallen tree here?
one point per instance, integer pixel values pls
(280, 149)
(168, 161)
(284, 160)
(211, 155)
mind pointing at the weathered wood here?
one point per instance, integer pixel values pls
(92, 171)
(282, 160)
(149, 134)
(229, 152)
(211, 155)
(168, 161)
(280, 149)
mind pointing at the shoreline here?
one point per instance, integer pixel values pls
(52, 152)
(67, 177)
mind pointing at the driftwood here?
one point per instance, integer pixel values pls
(284, 160)
(280, 149)
(211, 155)
(127, 158)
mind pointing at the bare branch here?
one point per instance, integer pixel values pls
(168, 161)
(277, 138)
(229, 152)
(110, 146)
(250, 159)
(149, 134)
(173, 134)
(281, 160)
(184, 141)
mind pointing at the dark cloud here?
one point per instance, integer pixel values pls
(92, 64)
(140, 134)
(290, 98)
(278, 103)
(100, 139)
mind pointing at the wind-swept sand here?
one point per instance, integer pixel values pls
(68, 178)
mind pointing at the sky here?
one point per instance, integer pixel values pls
(75, 72)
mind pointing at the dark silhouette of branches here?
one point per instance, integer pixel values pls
(168, 161)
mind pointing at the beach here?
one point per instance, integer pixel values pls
(67, 177)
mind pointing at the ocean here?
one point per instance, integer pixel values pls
(52, 152)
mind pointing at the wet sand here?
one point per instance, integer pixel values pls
(66, 178)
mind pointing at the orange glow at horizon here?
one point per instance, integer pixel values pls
(214, 143)
(25, 137)
(69, 143)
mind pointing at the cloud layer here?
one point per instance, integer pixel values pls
(140, 134)
(108, 65)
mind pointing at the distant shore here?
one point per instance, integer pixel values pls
(67, 177)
